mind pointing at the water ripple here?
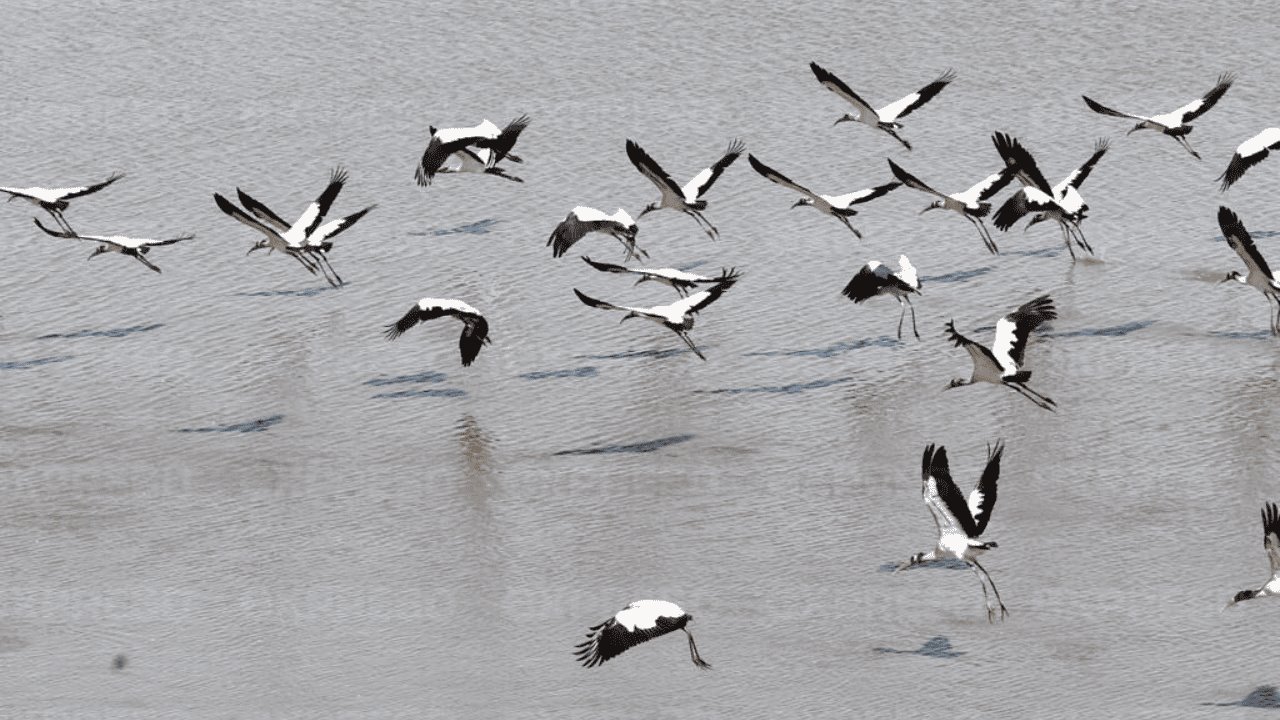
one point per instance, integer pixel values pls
(113, 332)
(479, 227)
(831, 350)
(424, 392)
(935, 647)
(640, 447)
(783, 389)
(584, 371)
(259, 425)
(35, 362)
(423, 377)
(1113, 331)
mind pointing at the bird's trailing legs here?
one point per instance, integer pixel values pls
(706, 225)
(1041, 400)
(905, 302)
(849, 225)
(1004, 612)
(693, 653)
(986, 234)
(689, 341)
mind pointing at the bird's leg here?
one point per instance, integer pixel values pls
(1182, 139)
(986, 234)
(1275, 319)
(62, 221)
(687, 341)
(1066, 238)
(1004, 612)
(306, 263)
(901, 316)
(325, 258)
(323, 263)
(896, 136)
(986, 598)
(707, 227)
(693, 653)
(913, 318)
(1079, 235)
(145, 261)
(847, 224)
(1033, 396)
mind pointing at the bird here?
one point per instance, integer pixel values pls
(477, 160)
(972, 203)
(446, 142)
(886, 118)
(318, 238)
(1173, 123)
(839, 207)
(133, 247)
(960, 521)
(638, 622)
(274, 240)
(55, 200)
(687, 199)
(1259, 275)
(1271, 542)
(475, 329)
(1061, 203)
(1001, 363)
(875, 279)
(582, 220)
(1250, 153)
(681, 280)
(676, 317)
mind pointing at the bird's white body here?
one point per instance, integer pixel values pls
(1250, 153)
(583, 220)
(1258, 275)
(886, 118)
(475, 328)
(644, 614)
(636, 623)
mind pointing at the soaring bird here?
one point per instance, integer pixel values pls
(1250, 153)
(1259, 275)
(687, 199)
(640, 621)
(55, 200)
(445, 142)
(676, 317)
(971, 204)
(1174, 123)
(876, 278)
(1271, 542)
(1001, 364)
(839, 207)
(960, 522)
(886, 118)
(681, 280)
(582, 220)
(135, 248)
(475, 329)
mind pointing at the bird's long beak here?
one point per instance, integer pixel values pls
(640, 281)
(255, 247)
(843, 118)
(927, 209)
(626, 317)
(797, 204)
(1225, 279)
(1134, 129)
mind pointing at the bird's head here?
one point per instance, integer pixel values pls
(803, 201)
(847, 117)
(257, 246)
(912, 561)
(932, 206)
(1233, 275)
(955, 383)
(647, 209)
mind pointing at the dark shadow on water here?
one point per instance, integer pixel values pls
(831, 350)
(423, 377)
(113, 332)
(1256, 335)
(303, 292)
(957, 276)
(584, 371)
(934, 647)
(637, 354)
(1263, 696)
(946, 564)
(479, 227)
(259, 425)
(35, 362)
(640, 447)
(778, 389)
(1042, 252)
(424, 392)
(1114, 331)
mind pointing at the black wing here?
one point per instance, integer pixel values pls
(1082, 172)
(936, 467)
(912, 181)
(411, 318)
(1012, 210)
(1210, 98)
(606, 267)
(93, 188)
(703, 181)
(475, 333)
(1104, 110)
(610, 638)
(837, 86)
(1026, 318)
(866, 283)
(501, 145)
(1240, 240)
(983, 498)
(260, 211)
(923, 95)
(1017, 157)
(651, 169)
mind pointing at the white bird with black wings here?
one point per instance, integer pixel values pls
(475, 329)
(133, 247)
(875, 278)
(638, 622)
(446, 142)
(971, 203)
(1271, 542)
(681, 280)
(56, 200)
(1259, 275)
(1061, 203)
(1173, 123)
(676, 317)
(960, 521)
(839, 207)
(1249, 153)
(886, 118)
(583, 220)
(687, 199)
(1001, 364)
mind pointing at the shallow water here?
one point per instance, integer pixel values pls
(226, 475)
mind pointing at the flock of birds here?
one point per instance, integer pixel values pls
(960, 519)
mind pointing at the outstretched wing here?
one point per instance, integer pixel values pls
(245, 218)
(837, 86)
(415, 315)
(1104, 110)
(1271, 535)
(699, 300)
(905, 106)
(1250, 153)
(587, 300)
(983, 498)
(1202, 105)
(866, 283)
(651, 169)
(1240, 241)
(912, 181)
(328, 231)
(703, 181)
(860, 196)
(607, 267)
(777, 177)
(262, 212)
(610, 638)
(502, 144)
(1078, 176)
(78, 192)
(1024, 166)
(1013, 329)
(475, 333)
(314, 214)
(942, 496)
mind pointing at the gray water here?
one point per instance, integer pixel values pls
(224, 478)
